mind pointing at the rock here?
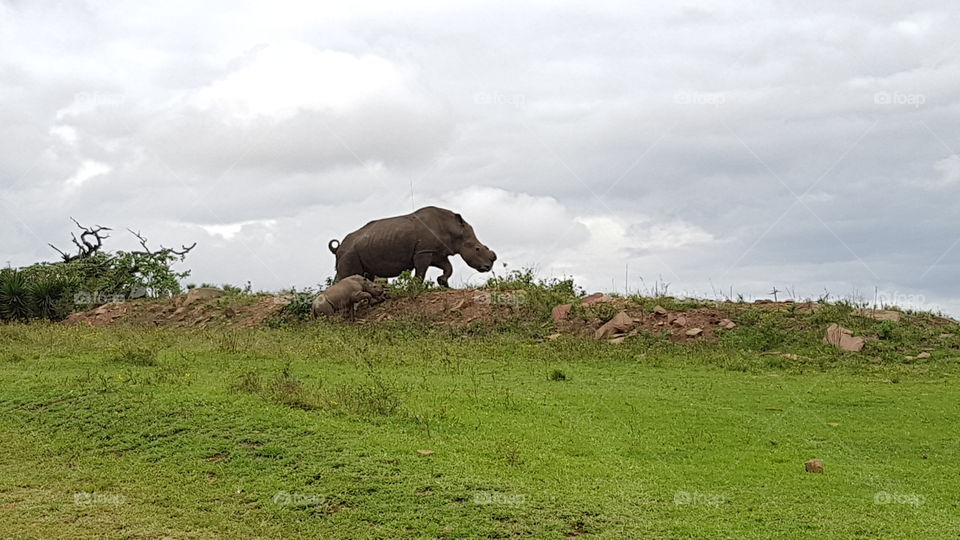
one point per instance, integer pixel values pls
(833, 424)
(552, 337)
(680, 321)
(621, 322)
(694, 332)
(660, 311)
(791, 356)
(459, 305)
(201, 294)
(597, 298)
(617, 340)
(426, 452)
(813, 465)
(923, 355)
(879, 314)
(560, 312)
(843, 339)
(727, 324)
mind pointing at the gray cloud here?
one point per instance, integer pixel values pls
(578, 138)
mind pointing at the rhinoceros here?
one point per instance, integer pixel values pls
(346, 294)
(386, 247)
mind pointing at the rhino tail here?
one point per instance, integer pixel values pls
(334, 245)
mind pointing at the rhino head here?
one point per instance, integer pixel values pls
(473, 251)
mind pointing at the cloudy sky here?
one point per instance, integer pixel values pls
(713, 146)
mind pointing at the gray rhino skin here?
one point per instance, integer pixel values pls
(346, 294)
(417, 241)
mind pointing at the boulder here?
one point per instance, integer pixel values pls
(680, 321)
(694, 332)
(621, 322)
(597, 298)
(880, 314)
(727, 324)
(843, 339)
(201, 294)
(560, 312)
(660, 311)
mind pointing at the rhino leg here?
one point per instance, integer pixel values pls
(356, 299)
(421, 261)
(321, 307)
(444, 264)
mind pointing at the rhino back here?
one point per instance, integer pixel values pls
(386, 247)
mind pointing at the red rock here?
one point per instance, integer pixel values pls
(621, 322)
(843, 339)
(560, 312)
(597, 298)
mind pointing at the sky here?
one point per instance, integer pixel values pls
(712, 149)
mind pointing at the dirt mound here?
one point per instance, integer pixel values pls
(178, 312)
(591, 317)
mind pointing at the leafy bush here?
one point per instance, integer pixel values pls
(92, 277)
(538, 295)
(406, 284)
(14, 296)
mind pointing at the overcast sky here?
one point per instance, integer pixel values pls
(713, 146)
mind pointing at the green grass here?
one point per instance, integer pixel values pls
(314, 431)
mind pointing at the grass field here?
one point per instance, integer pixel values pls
(314, 431)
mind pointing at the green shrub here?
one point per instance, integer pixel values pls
(406, 284)
(14, 296)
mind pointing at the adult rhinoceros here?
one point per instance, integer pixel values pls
(427, 237)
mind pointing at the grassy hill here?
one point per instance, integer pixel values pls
(399, 426)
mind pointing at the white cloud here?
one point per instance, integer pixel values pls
(280, 79)
(88, 169)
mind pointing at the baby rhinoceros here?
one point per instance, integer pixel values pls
(346, 294)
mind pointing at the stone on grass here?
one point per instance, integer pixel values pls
(560, 312)
(813, 465)
(596, 298)
(621, 322)
(843, 339)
